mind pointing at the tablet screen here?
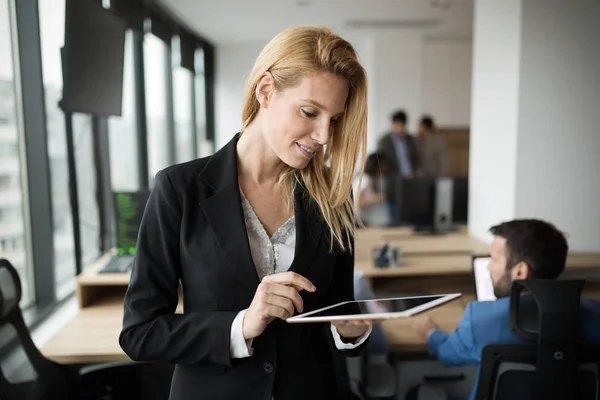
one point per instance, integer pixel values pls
(377, 306)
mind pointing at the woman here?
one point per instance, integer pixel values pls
(257, 232)
(370, 197)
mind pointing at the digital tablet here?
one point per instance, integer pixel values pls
(394, 307)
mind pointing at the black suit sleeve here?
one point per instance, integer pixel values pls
(151, 329)
(342, 289)
(382, 145)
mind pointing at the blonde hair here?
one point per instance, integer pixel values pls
(290, 56)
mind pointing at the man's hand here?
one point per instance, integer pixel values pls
(423, 324)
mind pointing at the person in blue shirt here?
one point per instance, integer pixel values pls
(521, 249)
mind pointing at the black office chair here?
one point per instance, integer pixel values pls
(112, 381)
(554, 365)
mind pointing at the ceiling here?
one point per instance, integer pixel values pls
(222, 21)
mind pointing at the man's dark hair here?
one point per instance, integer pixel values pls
(537, 243)
(399, 116)
(373, 163)
(427, 122)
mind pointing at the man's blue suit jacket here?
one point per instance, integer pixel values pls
(487, 322)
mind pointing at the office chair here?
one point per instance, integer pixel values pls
(553, 365)
(113, 381)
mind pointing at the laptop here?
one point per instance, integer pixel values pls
(484, 288)
(129, 209)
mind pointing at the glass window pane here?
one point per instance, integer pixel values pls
(156, 104)
(182, 103)
(12, 221)
(205, 147)
(122, 131)
(89, 216)
(52, 32)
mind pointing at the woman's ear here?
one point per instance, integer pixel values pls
(265, 89)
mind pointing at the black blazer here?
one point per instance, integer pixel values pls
(386, 146)
(193, 231)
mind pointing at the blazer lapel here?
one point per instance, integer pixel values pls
(309, 228)
(223, 211)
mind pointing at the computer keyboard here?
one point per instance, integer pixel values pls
(118, 264)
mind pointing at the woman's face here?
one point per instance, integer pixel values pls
(299, 121)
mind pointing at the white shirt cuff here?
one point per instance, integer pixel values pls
(348, 346)
(239, 347)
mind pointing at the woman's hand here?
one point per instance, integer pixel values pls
(276, 297)
(353, 328)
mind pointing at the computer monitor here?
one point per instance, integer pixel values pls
(429, 204)
(92, 59)
(460, 200)
(484, 288)
(414, 201)
(129, 209)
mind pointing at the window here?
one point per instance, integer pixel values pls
(122, 131)
(52, 32)
(155, 52)
(89, 215)
(182, 103)
(12, 211)
(205, 146)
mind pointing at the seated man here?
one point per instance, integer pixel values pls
(522, 249)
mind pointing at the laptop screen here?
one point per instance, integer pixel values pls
(129, 209)
(483, 281)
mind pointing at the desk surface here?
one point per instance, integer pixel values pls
(92, 335)
(403, 339)
(417, 244)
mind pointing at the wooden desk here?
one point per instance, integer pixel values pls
(91, 337)
(417, 244)
(92, 285)
(403, 339)
(431, 264)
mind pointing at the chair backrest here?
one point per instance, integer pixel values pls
(553, 365)
(51, 377)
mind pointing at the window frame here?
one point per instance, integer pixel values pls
(25, 31)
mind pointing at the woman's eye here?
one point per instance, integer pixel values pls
(308, 114)
(334, 121)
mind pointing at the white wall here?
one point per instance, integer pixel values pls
(494, 114)
(399, 75)
(558, 162)
(397, 60)
(446, 80)
(234, 62)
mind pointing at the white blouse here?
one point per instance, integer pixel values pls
(271, 255)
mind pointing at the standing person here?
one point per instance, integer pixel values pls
(432, 149)
(261, 230)
(399, 148)
(402, 156)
